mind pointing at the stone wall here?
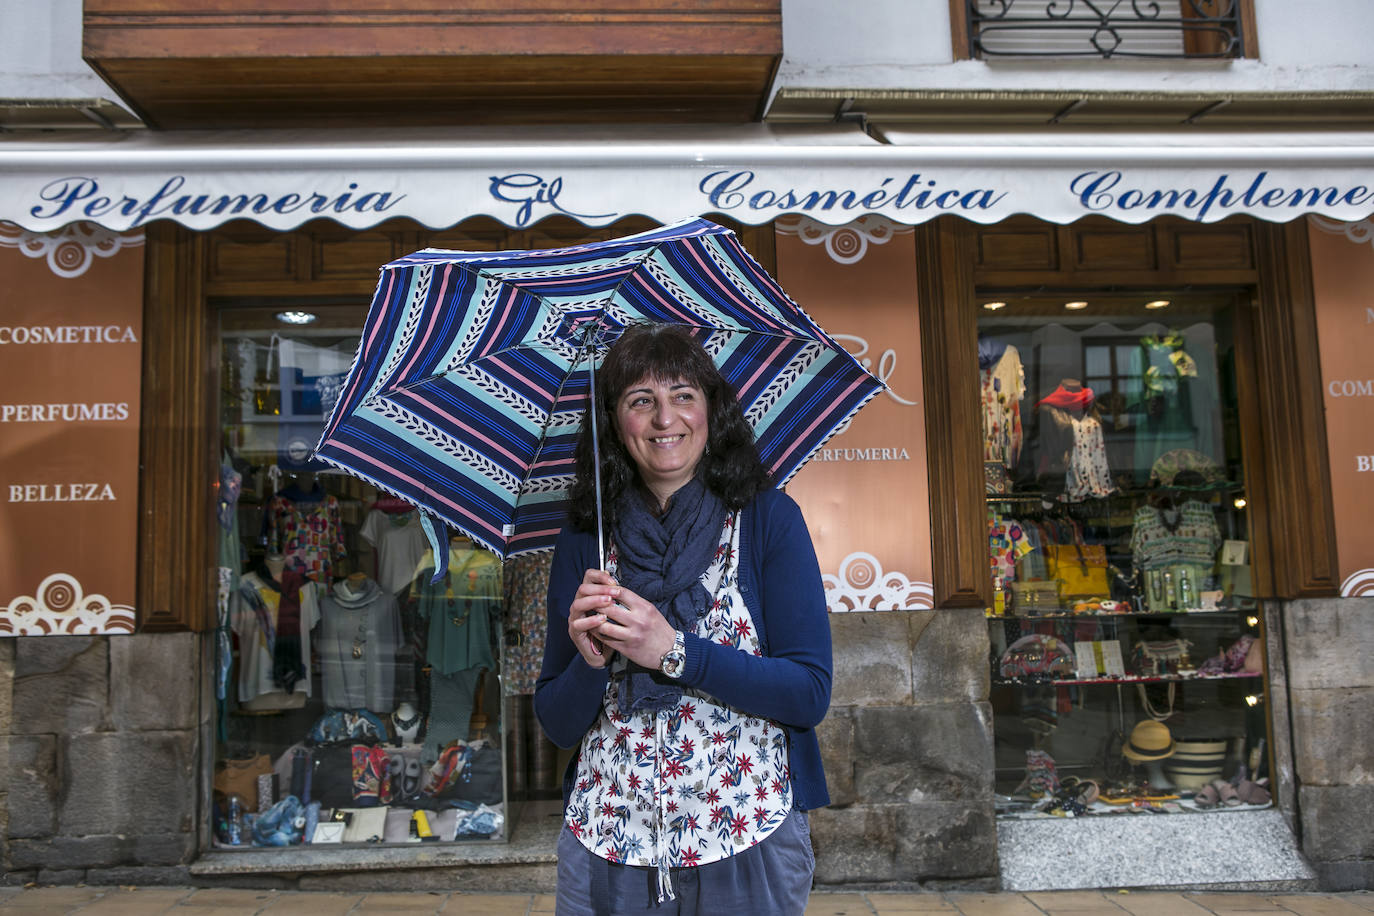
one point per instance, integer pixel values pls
(908, 753)
(1330, 664)
(102, 771)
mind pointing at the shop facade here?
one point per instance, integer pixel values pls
(117, 741)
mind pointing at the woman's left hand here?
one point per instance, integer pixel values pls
(636, 629)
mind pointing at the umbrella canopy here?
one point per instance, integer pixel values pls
(467, 392)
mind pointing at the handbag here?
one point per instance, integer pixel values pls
(1080, 569)
(1032, 597)
(467, 772)
(1037, 656)
(1161, 656)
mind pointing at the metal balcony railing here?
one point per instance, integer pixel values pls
(1168, 29)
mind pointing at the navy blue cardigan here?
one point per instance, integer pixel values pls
(780, 581)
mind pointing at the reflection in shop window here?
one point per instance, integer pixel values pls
(359, 697)
(1126, 660)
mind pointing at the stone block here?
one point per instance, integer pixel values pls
(52, 654)
(872, 652)
(1333, 736)
(34, 785)
(951, 658)
(836, 737)
(7, 686)
(61, 877)
(904, 844)
(924, 754)
(1330, 642)
(154, 681)
(69, 852)
(164, 848)
(130, 784)
(1337, 822)
(61, 685)
(1345, 876)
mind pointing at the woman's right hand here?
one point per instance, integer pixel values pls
(587, 612)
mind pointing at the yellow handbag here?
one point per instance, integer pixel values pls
(1080, 569)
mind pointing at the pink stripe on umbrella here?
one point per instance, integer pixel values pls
(814, 423)
(459, 425)
(347, 396)
(392, 472)
(745, 386)
(417, 347)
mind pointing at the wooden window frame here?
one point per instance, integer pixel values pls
(1283, 424)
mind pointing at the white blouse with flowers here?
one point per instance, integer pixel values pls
(689, 785)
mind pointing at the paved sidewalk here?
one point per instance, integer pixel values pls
(186, 901)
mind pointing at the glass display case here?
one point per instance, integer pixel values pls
(359, 695)
(1126, 649)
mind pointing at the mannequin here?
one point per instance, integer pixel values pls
(1072, 444)
(275, 564)
(405, 720)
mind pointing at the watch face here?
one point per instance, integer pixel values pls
(673, 663)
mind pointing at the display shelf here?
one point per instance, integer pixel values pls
(1071, 615)
(1126, 679)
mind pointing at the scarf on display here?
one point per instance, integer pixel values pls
(287, 668)
(662, 559)
(1064, 399)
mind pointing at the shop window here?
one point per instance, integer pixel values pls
(1126, 644)
(358, 700)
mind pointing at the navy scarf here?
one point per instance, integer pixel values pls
(662, 559)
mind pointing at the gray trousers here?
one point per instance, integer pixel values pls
(773, 877)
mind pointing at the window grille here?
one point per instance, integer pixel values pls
(1169, 29)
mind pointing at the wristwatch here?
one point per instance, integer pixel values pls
(675, 659)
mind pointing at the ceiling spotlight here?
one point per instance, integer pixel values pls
(295, 317)
(994, 306)
(1158, 304)
(1075, 306)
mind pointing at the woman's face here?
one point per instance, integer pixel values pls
(664, 426)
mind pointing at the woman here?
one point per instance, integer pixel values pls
(692, 672)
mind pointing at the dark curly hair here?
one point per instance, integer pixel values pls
(730, 466)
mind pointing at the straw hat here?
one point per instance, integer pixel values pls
(1150, 740)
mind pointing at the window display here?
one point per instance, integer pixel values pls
(1125, 644)
(360, 699)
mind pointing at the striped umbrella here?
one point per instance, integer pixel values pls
(471, 378)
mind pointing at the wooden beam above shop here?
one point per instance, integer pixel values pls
(251, 63)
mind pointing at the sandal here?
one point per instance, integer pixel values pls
(1226, 792)
(1253, 793)
(1207, 797)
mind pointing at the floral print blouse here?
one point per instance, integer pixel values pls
(689, 785)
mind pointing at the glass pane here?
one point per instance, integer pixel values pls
(361, 696)
(1122, 619)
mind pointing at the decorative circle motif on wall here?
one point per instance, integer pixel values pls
(62, 607)
(1358, 584)
(862, 585)
(1360, 233)
(845, 244)
(71, 250)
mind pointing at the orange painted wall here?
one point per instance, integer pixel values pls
(865, 496)
(69, 430)
(1343, 282)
